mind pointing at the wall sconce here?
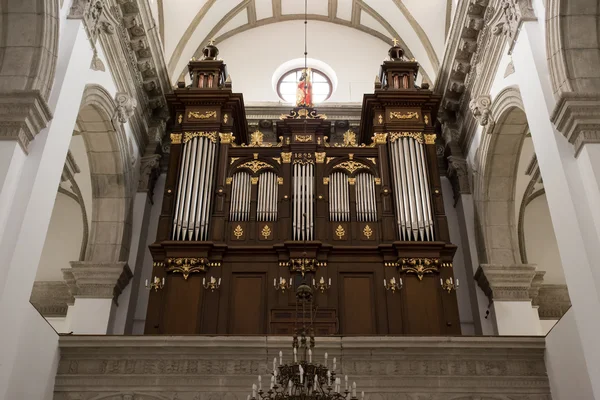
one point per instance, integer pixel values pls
(449, 285)
(156, 284)
(283, 285)
(393, 285)
(322, 286)
(212, 285)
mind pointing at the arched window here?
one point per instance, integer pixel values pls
(288, 83)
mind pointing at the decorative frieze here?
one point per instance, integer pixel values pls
(207, 368)
(99, 280)
(505, 282)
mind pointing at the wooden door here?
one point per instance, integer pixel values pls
(357, 304)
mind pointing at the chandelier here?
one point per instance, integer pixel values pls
(303, 379)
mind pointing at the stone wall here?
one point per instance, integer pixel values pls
(224, 368)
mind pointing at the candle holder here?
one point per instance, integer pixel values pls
(156, 284)
(213, 284)
(449, 284)
(393, 285)
(283, 285)
(322, 286)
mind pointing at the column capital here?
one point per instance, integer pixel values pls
(23, 115)
(98, 280)
(505, 282)
(577, 117)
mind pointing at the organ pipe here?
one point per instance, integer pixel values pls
(412, 197)
(239, 209)
(194, 189)
(266, 209)
(366, 209)
(339, 199)
(303, 207)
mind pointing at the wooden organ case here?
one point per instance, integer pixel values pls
(244, 220)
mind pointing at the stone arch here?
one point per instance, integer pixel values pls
(28, 46)
(111, 177)
(572, 43)
(494, 192)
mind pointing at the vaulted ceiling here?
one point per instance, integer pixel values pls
(185, 26)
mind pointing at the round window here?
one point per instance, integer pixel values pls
(287, 85)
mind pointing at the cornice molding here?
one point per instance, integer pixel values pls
(23, 115)
(553, 301)
(577, 117)
(51, 298)
(98, 280)
(506, 282)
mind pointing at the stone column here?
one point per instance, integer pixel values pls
(572, 190)
(98, 286)
(508, 289)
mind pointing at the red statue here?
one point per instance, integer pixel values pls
(304, 91)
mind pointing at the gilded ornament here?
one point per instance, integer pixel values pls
(377, 181)
(286, 158)
(325, 141)
(187, 266)
(238, 232)
(326, 181)
(228, 181)
(329, 159)
(278, 159)
(176, 138)
(227, 138)
(351, 166)
(351, 181)
(447, 265)
(280, 141)
(233, 159)
(320, 157)
(280, 180)
(418, 136)
(430, 138)
(200, 115)
(419, 266)
(266, 232)
(373, 160)
(303, 158)
(254, 180)
(368, 232)
(379, 138)
(225, 118)
(180, 118)
(212, 136)
(303, 138)
(426, 118)
(256, 140)
(401, 115)
(255, 165)
(349, 139)
(340, 232)
(303, 113)
(380, 119)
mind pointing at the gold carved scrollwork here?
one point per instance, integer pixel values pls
(303, 138)
(233, 159)
(286, 158)
(340, 232)
(238, 232)
(255, 165)
(303, 158)
(379, 138)
(418, 136)
(278, 159)
(320, 157)
(351, 166)
(430, 138)
(373, 160)
(266, 232)
(187, 266)
(187, 136)
(200, 115)
(401, 115)
(303, 265)
(368, 232)
(303, 113)
(176, 138)
(227, 138)
(329, 159)
(419, 266)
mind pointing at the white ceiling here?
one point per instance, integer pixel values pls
(185, 26)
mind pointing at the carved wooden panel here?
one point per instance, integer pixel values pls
(247, 314)
(182, 304)
(357, 304)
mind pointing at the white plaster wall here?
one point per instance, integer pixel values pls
(35, 367)
(354, 56)
(540, 241)
(565, 363)
(63, 240)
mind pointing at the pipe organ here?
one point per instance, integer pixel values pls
(263, 214)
